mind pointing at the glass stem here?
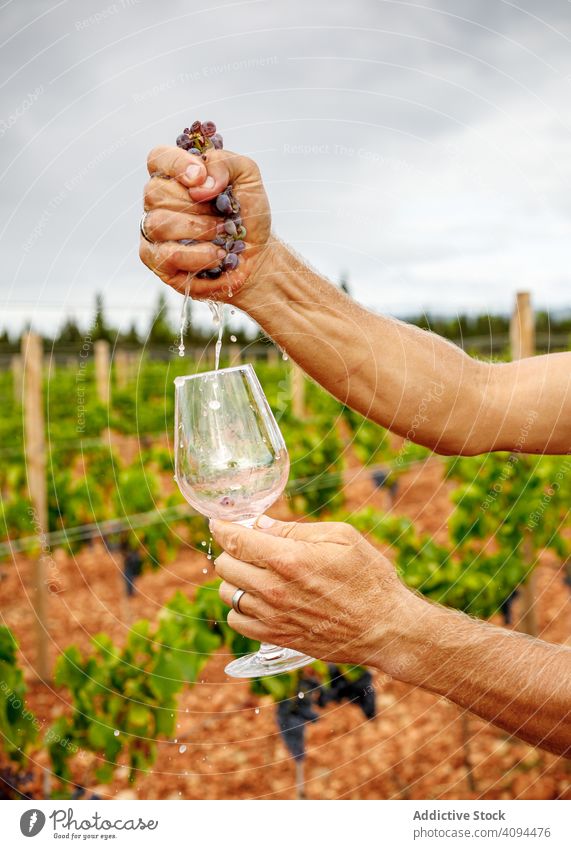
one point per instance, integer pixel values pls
(269, 652)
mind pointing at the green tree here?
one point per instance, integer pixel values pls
(99, 328)
(161, 331)
(69, 336)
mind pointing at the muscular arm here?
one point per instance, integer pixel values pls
(406, 379)
(519, 683)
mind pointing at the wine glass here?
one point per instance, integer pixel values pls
(231, 463)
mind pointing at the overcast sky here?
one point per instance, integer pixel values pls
(422, 148)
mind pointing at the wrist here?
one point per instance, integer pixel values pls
(260, 287)
(403, 635)
(272, 281)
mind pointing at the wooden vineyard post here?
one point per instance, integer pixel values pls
(102, 374)
(522, 344)
(522, 328)
(297, 391)
(122, 369)
(32, 356)
(234, 354)
(17, 377)
(272, 356)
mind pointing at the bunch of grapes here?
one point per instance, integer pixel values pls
(197, 139)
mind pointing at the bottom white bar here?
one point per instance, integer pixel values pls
(245, 824)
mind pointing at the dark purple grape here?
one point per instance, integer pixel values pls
(230, 228)
(208, 128)
(237, 220)
(194, 150)
(229, 244)
(219, 242)
(195, 127)
(223, 204)
(216, 140)
(213, 273)
(230, 262)
(182, 139)
(238, 246)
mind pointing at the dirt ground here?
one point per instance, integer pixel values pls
(414, 749)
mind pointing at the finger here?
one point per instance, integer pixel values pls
(163, 225)
(185, 167)
(224, 168)
(170, 194)
(306, 531)
(257, 548)
(241, 574)
(167, 259)
(249, 604)
(249, 627)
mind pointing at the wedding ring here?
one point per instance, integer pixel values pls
(236, 600)
(142, 228)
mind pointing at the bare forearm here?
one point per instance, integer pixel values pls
(521, 684)
(413, 382)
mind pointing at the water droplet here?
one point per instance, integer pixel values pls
(214, 405)
(257, 710)
(300, 695)
(285, 356)
(233, 338)
(116, 732)
(182, 750)
(205, 571)
(203, 543)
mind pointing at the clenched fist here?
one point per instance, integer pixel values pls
(178, 199)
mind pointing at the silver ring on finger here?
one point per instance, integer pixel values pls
(142, 228)
(236, 598)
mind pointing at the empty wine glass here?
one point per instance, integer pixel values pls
(231, 463)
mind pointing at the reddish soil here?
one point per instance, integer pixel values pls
(413, 749)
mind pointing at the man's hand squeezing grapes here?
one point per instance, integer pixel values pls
(185, 234)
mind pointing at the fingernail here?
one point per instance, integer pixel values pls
(265, 522)
(209, 183)
(193, 171)
(220, 253)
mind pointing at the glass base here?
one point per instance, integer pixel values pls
(269, 660)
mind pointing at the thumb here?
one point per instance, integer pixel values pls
(306, 531)
(224, 168)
